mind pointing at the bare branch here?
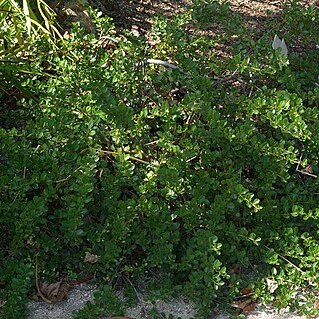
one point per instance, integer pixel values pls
(160, 62)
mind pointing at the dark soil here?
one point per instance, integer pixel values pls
(140, 13)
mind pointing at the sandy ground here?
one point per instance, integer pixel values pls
(181, 308)
(76, 300)
(83, 293)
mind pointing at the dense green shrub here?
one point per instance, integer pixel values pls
(189, 173)
(22, 24)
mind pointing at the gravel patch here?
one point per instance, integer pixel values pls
(83, 293)
(266, 312)
(181, 307)
(76, 300)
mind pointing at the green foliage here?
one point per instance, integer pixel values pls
(22, 25)
(18, 274)
(154, 170)
(106, 304)
(20, 19)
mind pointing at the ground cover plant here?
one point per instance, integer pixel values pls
(113, 166)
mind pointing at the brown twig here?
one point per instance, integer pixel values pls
(80, 281)
(288, 261)
(151, 143)
(190, 159)
(226, 78)
(105, 38)
(131, 157)
(160, 62)
(37, 283)
(139, 298)
(64, 179)
(304, 171)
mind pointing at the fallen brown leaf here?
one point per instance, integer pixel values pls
(241, 304)
(235, 270)
(55, 292)
(307, 170)
(51, 293)
(250, 307)
(90, 258)
(246, 291)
